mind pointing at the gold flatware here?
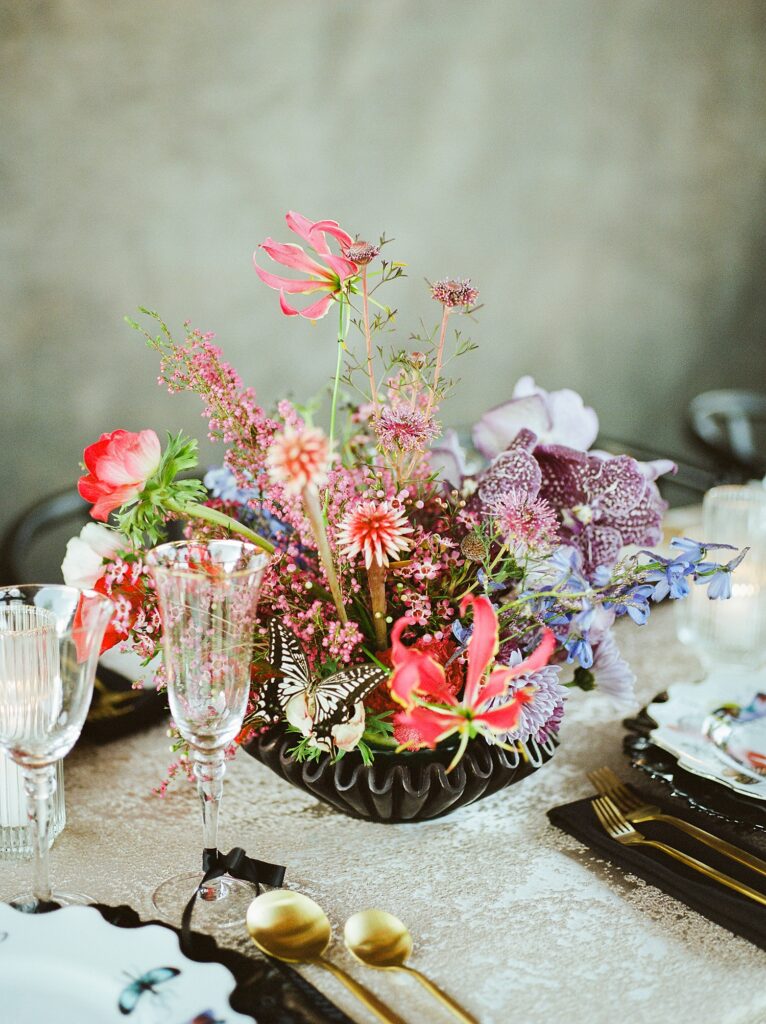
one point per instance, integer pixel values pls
(291, 927)
(620, 829)
(637, 811)
(378, 939)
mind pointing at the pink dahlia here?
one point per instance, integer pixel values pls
(405, 429)
(375, 529)
(453, 292)
(299, 459)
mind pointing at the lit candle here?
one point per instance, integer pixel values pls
(13, 804)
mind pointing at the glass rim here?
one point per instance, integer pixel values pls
(173, 569)
(30, 588)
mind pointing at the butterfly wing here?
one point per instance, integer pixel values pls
(335, 698)
(287, 659)
(129, 997)
(158, 975)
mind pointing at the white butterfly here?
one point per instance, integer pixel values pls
(329, 702)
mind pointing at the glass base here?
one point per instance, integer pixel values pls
(27, 903)
(221, 905)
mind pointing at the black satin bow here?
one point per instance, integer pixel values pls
(237, 864)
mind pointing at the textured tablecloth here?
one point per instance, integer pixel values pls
(512, 916)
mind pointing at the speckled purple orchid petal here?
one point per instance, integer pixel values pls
(499, 426)
(600, 545)
(615, 485)
(643, 524)
(512, 470)
(565, 475)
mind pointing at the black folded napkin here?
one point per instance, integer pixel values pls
(118, 710)
(269, 991)
(739, 914)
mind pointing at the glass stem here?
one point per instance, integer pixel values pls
(209, 770)
(40, 785)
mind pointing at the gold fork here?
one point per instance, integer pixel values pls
(620, 829)
(634, 809)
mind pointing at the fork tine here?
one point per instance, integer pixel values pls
(610, 784)
(596, 805)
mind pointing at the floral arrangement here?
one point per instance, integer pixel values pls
(501, 567)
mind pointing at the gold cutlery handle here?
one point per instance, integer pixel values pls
(741, 856)
(367, 998)
(443, 998)
(706, 869)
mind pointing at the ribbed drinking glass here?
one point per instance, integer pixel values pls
(50, 637)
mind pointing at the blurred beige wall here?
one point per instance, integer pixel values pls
(596, 166)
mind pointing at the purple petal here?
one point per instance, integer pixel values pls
(564, 475)
(613, 674)
(600, 545)
(512, 470)
(616, 485)
(499, 426)
(448, 459)
(574, 423)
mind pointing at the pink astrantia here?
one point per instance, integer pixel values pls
(556, 417)
(402, 428)
(325, 272)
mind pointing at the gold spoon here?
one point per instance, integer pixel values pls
(379, 939)
(291, 927)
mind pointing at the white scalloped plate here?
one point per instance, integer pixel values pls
(689, 728)
(72, 967)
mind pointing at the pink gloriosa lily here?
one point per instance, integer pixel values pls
(416, 674)
(326, 272)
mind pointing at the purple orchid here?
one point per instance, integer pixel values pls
(604, 503)
(515, 469)
(556, 417)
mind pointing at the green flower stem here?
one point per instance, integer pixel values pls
(338, 367)
(212, 515)
(315, 517)
(379, 739)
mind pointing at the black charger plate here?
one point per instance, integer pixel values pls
(699, 793)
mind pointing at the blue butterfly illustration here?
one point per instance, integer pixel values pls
(147, 982)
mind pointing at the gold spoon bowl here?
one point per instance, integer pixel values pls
(378, 939)
(291, 927)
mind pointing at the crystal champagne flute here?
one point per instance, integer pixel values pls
(208, 597)
(50, 637)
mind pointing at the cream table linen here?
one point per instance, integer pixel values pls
(516, 919)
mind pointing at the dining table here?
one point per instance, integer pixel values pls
(514, 918)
